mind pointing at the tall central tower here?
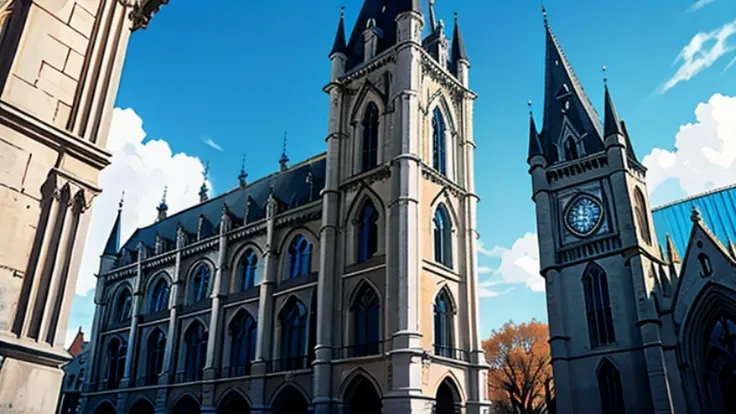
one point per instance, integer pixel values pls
(598, 252)
(400, 158)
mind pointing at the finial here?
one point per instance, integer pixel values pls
(243, 175)
(529, 104)
(284, 161)
(605, 76)
(455, 14)
(206, 170)
(695, 216)
(163, 199)
(120, 204)
(342, 12)
(544, 14)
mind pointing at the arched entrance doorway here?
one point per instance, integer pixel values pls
(105, 408)
(142, 406)
(186, 405)
(447, 400)
(233, 403)
(290, 401)
(721, 364)
(361, 397)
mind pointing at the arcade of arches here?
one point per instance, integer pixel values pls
(360, 397)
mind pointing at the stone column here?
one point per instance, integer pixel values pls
(265, 314)
(131, 354)
(322, 379)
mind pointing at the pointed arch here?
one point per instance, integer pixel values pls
(367, 231)
(234, 401)
(142, 405)
(123, 305)
(445, 197)
(247, 270)
(444, 310)
(568, 132)
(242, 334)
(609, 388)
(105, 407)
(303, 262)
(199, 281)
(155, 350)
(641, 214)
(369, 127)
(448, 397)
(365, 320)
(195, 350)
(293, 320)
(368, 93)
(355, 375)
(186, 404)
(443, 104)
(363, 194)
(361, 394)
(439, 141)
(442, 236)
(158, 293)
(117, 351)
(598, 306)
(289, 398)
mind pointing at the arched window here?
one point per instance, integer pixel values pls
(300, 257)
(442, 236)
(444, 330)
(439, 144)
(598, 306)
(640, 211)
(155, 363)
(247, 270)
(571, 148)
(706, 269)
(720, 359)
(368, 233)
(609, 386)
(195, 341)
(116, 352)
(200, 284)
(293, 336)
(365, 332)
(370, 138)
(243, 334)
(160, 296)
(124, 306)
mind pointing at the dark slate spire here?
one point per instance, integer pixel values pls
(535, 147)
(340, 46)
(612, 123)
(284, 160)
(243, 176)
(113, 242)
(564, 97)
(203, 196)
(162, 208)
(458, 45)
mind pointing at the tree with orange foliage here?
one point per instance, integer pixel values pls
(520, 375)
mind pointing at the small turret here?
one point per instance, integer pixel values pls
(112, 247)
(339, 52)
(460, 55)
(284, 160)
(612, 132)
(203, 196)
(162, 208)
(535, 146)
(243, 176)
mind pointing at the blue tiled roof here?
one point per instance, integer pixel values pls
(718, 209)
(290, 189)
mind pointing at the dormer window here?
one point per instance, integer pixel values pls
(571, 148)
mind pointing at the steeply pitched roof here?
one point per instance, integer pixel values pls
(563, 92)
(291, 188)
(113, 241)
(535, 147)
(339, 46)
(458, 44)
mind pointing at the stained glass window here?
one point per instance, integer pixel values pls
(439, 144)
(598, 306)
(247, 270)
(200, 283)
(124, 306)
(293, 335)
(443, 325)
(116, 353)
(368, 234)
(609, 386)
(243, 336)
(156, 349)
(442, 236)
(366, 315)
(196, 352)
(160, 297)
(370, 137)
(300, 253)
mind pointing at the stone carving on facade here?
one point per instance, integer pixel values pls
(379, 174)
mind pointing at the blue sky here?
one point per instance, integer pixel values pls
(238, 77)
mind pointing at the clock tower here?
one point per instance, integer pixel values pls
(597, 252)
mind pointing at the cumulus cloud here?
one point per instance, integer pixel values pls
(142, 170)
(211, 143)
(518, 265)
(699, 4)
(704, 49)
(704, 156)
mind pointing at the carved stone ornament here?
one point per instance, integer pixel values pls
(380, 174)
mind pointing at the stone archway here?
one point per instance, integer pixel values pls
(362, 397)
(447, 399)
(234, 403)
(142, 406)
(187, 405)
(105, 408)
(289, 401)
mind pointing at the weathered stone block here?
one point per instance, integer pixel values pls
(56, 84)
(13, 163)
(23, 385)
(62, 115)
(82, 21)
(73, 66)
(30, 98)
(61, 9)
(18, 221)
(10, 285)
(92, 6)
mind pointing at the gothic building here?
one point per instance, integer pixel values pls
(342, 284)
(60, 65)
(634, 326)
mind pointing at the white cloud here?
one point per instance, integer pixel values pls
(211, 143)
(141, 170)
(699, 4)
(519, 265)
(704, 49)
(704, 156)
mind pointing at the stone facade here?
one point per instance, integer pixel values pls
(60, 64)
(633, 327)
(74, 373)
(364, 259)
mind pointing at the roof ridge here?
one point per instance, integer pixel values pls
(694, 197)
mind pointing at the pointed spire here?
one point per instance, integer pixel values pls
(672, 255)
(535, 147)
(458, 44)
(162, 207)
(243, 176)
(408, 5)
(565, 100)
(340, 46)
(113, 241)
(284, 160)
(203, 190)
(612, 123)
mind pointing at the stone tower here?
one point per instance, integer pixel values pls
(60, 65)
(598, 252)
(400, 140)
